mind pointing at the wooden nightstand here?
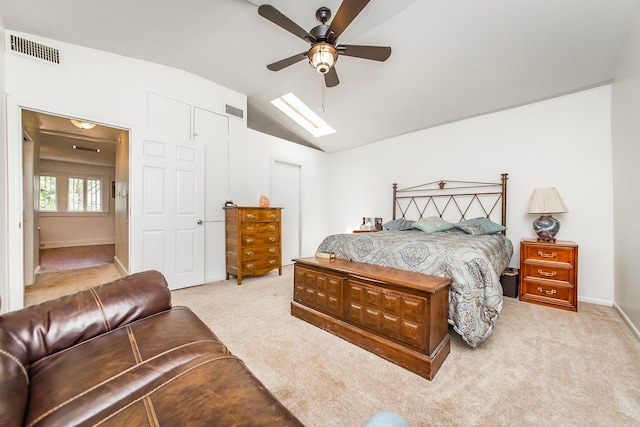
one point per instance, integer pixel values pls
(549, 273)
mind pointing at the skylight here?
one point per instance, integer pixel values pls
(303, 115)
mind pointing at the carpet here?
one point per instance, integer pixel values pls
(59, 283)
(540, 366)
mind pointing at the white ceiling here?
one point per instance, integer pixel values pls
(451, 59)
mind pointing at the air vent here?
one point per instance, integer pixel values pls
(234, 111)
(35, 50)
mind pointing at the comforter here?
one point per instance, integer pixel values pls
(473, 263)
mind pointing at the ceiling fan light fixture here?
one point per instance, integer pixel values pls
(323, 56)
(82, 125)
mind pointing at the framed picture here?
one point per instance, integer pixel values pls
(378, 224)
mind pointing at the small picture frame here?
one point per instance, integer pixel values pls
(378, 224)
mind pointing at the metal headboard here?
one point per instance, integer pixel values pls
(470, 199)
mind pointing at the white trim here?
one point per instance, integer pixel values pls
(626, 319)
(74, 243)
(119, 266)
(598, 301)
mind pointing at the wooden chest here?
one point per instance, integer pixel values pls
(396, 314)
(253, 241)
(549, 273)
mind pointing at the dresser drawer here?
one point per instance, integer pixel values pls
(547, 291)
(259, 227)
(548, 271)
(251, 266)
(259, 215)
(554, 253)
(252, 252)
(259, 239)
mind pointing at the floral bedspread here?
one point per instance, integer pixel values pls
(473, 263)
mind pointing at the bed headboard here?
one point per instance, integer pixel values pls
(453, 200)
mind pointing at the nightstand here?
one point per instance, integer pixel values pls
(549, 273)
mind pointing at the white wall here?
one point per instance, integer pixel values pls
(626, 176)
(252, 158)
(4, 241)
(111, 89)
(563, 142)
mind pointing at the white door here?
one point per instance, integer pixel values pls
(172, 194)
(285, 193)
(212, 131)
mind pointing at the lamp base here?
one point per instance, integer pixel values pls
(546, 227)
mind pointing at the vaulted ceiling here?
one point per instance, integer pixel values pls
(450, 59)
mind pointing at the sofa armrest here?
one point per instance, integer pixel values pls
(34, 332)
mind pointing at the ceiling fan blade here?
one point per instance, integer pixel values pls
(277, 66)
(376, 53)
(274, 15)
(347, 12)
(331, 78)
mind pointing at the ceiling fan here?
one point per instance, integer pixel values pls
(323, 38)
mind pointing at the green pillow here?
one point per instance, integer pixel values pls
(479, 226)
(432, 224)
(398, 225)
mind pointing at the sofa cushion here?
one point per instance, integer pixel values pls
(168, 366)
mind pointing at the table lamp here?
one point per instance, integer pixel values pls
(546, 201)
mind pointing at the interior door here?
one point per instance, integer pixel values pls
(286, 186)
(212, 131)
(173, 194)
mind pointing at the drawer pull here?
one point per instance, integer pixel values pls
(272, 250)
(272, 239)
(546, 273)
(551, 292)
(250, 215)
(272, 227)
(545, 255)
(249, 266)
(249, 253)
(250, 240)
(249, 228)
(273, 261)
(273, 216)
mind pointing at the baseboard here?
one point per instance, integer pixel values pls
(120, 267)
(598, 301)
(72, 243)
(626, 319)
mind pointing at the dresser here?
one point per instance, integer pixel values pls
(549, 273)
(253, 241)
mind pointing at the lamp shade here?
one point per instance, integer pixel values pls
(546, 201)
(322, 56)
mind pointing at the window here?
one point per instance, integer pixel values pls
(84, 194)
(48, 196)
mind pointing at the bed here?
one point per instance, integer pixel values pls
(473, 253)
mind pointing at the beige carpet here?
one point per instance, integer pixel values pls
(55, 284)
(541, 366)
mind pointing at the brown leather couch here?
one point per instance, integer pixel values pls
(120, 355)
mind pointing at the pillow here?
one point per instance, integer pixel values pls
(432, 224)
(479, 226)
(398, 225)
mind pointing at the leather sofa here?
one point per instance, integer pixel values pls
(118, 354)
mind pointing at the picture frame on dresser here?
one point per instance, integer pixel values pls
(549, 273)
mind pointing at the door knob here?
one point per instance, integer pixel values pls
(199, 222)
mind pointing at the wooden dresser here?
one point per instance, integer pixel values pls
(549, 273)
(398, 315)
(253, 241)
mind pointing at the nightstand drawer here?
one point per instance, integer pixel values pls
(551, 292)
(260, 227)
(259, 215)
(548, 253)
(548, 271)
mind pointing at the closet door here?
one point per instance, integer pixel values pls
(212, 131)
(172, 194)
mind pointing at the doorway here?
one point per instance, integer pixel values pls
(75, 192)
(286, 190)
